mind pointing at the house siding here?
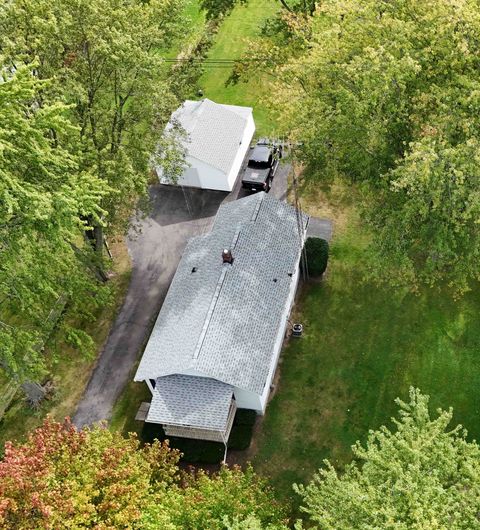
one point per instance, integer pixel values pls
(198, 175)
(279, 340)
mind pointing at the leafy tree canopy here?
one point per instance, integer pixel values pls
(218, 8)
(104, 59)
(93, 478)
(84, 96)
(43, 195)
(422, 476)
(385, 94)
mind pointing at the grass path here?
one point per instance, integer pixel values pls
(363, 346)
(243, 23)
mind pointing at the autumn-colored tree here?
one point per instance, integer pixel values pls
(423, 475)
(65, 478)
(94, 478)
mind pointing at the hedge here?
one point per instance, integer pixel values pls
(317, 255)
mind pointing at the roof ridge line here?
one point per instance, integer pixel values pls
(213, 303)
(224, 108)
(257, 208)
(208, 318)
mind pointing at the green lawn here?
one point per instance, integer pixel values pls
(363, 346)
(126, 407)
(195, 25)
(194, 12)
(243, 23)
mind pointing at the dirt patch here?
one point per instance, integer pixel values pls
(334, 200)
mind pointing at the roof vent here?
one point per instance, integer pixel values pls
(227, 256)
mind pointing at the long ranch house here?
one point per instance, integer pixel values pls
(217, 339)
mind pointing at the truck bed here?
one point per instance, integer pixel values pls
(254, 179)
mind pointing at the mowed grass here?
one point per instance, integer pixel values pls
(126, 407)
(195, 22)
(231, 42)
(362, 347)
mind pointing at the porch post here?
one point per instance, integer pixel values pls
(149, 385)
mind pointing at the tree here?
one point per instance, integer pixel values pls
(384, 95)
(170, 153)
(316, 250)
(44, 194)
(83, 100)
(230, 496)
(421, 476)
(93, 478)
(104, 58)
(65, 478)
(219, 8)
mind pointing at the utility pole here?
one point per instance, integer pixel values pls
(299, 214)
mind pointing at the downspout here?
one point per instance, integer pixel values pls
(225, 443)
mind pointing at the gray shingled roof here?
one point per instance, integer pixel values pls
(191, 401)
(214, 131)
(221, 321)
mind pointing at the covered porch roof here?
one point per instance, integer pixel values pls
(192, 402)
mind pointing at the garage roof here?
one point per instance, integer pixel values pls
(214, 131)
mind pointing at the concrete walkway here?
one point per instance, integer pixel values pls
(319, 227)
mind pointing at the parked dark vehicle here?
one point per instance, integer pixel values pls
(262, 166)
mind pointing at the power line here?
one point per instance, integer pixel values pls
(211, 61)
(299, 213)
(213, 64)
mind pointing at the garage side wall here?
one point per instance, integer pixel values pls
(198, 174)
(211, 178)
(242, 151)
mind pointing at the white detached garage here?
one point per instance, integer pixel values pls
(218, 137)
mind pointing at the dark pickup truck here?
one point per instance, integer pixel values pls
(262, 166)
